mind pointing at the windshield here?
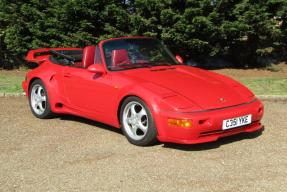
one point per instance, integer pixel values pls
(135, 53)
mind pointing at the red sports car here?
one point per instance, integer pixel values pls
(136, 84)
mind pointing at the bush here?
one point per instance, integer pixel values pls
(239, 31)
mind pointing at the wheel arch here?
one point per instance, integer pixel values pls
(47, 87)
(47, 112)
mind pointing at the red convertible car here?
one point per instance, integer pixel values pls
(136, 84)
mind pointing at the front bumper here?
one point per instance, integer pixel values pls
(207, 125)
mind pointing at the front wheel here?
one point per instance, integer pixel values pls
(137, 122)
(39, 101)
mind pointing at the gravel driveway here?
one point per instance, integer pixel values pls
(73, 154)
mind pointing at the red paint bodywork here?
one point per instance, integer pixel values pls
(178, 91)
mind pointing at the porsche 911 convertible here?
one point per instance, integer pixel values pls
(138, 85)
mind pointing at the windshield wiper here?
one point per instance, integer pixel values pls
(155, 64)
(130, 66)
(136, 64)
(152, 64)
(163, 64)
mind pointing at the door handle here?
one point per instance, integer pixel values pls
(67, 75)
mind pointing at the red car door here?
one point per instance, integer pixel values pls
(89, 92)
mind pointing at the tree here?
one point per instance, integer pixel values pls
(245, 32)
(32, 24)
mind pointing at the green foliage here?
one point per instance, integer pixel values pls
(245, 32)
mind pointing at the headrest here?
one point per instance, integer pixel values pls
(89, 53)
(120, 56)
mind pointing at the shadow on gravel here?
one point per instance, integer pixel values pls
(89, 122)
(192, 147)
(215, 144)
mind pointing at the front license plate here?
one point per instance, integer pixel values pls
(236, 122)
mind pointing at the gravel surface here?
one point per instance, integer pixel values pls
(74, 154)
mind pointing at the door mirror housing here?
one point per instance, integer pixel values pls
(179, 59)
(97, 68)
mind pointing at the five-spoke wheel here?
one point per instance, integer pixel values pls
(38, 100)
(137, 122)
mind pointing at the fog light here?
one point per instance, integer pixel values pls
(186, 123)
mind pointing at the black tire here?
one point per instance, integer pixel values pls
(47, 112)
(150, 137)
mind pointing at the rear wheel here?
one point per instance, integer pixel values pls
(39, 101)
(137, 122)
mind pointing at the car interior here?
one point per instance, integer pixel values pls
(76, 58)
(88, 56)
(67, 57)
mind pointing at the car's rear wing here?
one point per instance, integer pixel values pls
(40, 55)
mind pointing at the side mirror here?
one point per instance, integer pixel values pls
(96, 68)
(179, 59)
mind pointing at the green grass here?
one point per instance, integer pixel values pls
(267, 86)
(11, 83)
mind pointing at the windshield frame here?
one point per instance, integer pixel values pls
(144, 65)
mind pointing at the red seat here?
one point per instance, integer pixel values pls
(89, 53)
(120, 56)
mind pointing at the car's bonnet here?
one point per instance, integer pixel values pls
(205, 89)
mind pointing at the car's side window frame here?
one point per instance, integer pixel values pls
(98, 58)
